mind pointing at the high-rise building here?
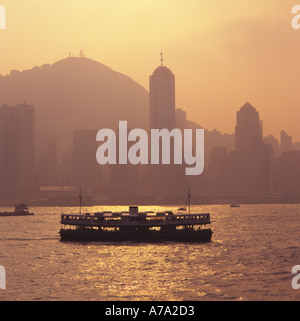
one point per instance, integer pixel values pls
(248, 132)
(162, 98)
(166, 181)
(252, 157)
(275, 144)
(285, 142)
(86, 171)
(17, 149)
(48, 173)
(287, 175)
(124, 178)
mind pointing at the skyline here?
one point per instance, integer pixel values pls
(250, 164)
(204, 44)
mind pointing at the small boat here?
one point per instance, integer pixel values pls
(188, 203)
(234, 205)
(20, 210)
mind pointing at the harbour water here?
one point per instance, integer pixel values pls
(251, 256)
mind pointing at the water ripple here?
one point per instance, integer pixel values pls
(250, 258)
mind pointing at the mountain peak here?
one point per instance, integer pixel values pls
(76, 93)
(80, 62)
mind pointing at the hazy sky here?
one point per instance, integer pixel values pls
(223, 52)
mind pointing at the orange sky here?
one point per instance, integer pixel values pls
(223, 52)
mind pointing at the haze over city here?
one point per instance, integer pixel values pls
(166, 128)
(223, 53)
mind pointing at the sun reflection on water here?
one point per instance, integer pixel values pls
(249, 257)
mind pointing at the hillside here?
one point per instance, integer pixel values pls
(75, 93)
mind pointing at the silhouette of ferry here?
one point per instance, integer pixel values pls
(20, 210)
(136, 226)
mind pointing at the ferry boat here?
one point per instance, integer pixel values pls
(136, 226)
(20, 210)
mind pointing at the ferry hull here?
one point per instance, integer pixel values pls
(15, 214)
(203, 235)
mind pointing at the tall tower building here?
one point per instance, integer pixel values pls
(285, 142)
(275, 145)
(252, 157)
(124, 178)
(17, 149)
(166, 181)
(162, 98)
(86, 171)
(248, 131)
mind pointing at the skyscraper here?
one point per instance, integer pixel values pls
(252, 157)
(162, 98)
(86, 172)
(17, 149)
(285, 142)
(248, 132)
(165, 180)
(124, 178)
(275, 145)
